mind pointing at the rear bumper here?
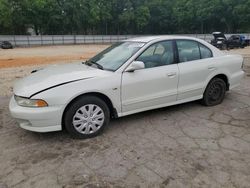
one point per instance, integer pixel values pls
(45, 119)
(236, 78)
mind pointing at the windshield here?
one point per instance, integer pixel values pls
(115, 56)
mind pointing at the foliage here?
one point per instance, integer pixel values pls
(123, 16)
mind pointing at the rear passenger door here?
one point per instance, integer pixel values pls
(195, 66)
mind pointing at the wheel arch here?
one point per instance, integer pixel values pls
(224, 77)
(105, 98)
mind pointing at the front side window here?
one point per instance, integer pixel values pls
(188, 50)
(158, 54)
(116, 55)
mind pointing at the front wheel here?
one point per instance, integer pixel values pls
(215, 92)
(86, 117)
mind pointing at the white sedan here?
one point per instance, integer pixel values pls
(131, 76)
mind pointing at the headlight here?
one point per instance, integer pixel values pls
(21, 101)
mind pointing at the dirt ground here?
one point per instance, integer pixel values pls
(47, 55)
(19, 62)
(184, 146)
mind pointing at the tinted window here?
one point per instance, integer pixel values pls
(158, 54)
(236, 37)
(188, 50)
(205, 52)
(159, 49)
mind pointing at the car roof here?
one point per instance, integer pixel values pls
(147, 39)
(238, 35)
(156, 38)
(217, 33)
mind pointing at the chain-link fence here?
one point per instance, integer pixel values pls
(23, 40)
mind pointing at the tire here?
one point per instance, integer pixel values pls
(224, 47)
(78, 115)
(215, 92)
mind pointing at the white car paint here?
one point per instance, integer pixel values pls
(136, 93)
(128, 92)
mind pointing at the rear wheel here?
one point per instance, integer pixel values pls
(224, 47)
(215, 92)
(86, 117)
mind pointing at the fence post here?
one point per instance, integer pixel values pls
(74, 39)
(53, 42)
(14, 37)
(28, 40)
(41, 40)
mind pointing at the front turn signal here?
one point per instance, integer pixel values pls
(26, 102)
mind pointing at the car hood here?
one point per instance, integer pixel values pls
(54, 76)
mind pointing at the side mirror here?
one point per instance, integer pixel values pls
(135, 65)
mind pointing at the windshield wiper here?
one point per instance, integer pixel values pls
(94, 63)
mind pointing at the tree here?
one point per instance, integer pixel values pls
(142, 16)
(123, 16)
(5, 16)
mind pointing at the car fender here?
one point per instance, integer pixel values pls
(64, 94)
(228, 65)
(214, 74)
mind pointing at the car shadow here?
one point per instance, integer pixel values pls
(114, 123)
(127, 120)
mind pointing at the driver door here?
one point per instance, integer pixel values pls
(154, 86)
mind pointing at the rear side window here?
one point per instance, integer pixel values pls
(205, 52)
(188, 50)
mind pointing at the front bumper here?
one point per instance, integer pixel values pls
(45, 119)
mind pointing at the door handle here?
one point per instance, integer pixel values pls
(172, 74)
(212, 68)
